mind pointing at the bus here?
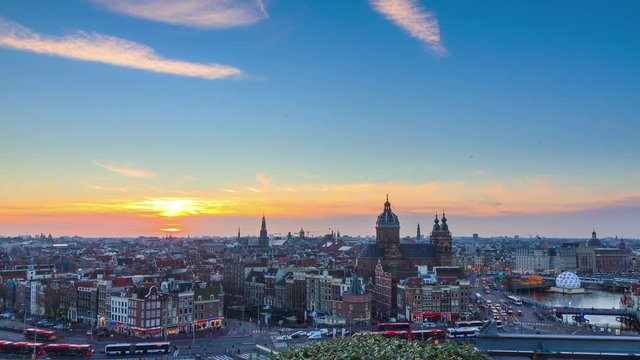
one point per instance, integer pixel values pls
(39, 335)
(68, 350)
(21, 348)
(394, 327)
(515, 300)
(464, 332)
(137, 348)
(428, 334)
(471, 323)
(406, 335)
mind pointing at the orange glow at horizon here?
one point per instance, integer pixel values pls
(171, 229)
(317, 200)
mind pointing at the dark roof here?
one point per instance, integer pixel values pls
(409, 251)
(356, 286)
(371, 251)
(417, 251)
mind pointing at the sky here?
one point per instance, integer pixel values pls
(142, 117)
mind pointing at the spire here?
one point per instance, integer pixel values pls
(436, 224)
(238, 232)
(387, 204)
(356, 285)
(263, 240)
(418, 234)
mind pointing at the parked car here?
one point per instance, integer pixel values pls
(298, 334)
(62, 327)
(315, 335)
(283, 338)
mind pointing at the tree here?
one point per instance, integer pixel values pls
(379, 347)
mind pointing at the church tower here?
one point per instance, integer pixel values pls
(388, 232)
(441, 238)
(263, 240)
(418, 234)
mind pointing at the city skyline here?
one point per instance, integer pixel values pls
(122, 120)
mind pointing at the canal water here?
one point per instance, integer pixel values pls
(591, 299)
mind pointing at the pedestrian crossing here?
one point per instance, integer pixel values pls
(537, 324)
(245, 356)
(219, 357)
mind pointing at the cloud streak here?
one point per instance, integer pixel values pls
(106, 49)
(414, 19)
(209, 14)
(125, 170)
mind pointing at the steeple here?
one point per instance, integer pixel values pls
(436, 224)
(263, 240)
(238, 232)
(418, 234)
(444, 226)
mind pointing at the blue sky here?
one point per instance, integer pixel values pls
(332, 93)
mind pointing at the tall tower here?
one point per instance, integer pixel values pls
(418, 234)
(388, 232)
(441, 237)
(263, 240)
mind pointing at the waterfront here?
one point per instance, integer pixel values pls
(591, 299)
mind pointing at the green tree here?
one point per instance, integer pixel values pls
(378, 347)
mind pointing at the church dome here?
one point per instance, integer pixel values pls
(444, 226)
(387, 218)
(594, 241)
(436, 224)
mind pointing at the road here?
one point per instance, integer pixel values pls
(528, 322)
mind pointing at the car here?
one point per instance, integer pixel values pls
(61, 327)
(315, 336)
(324, 331)
(298, 334)
(283, 338)
(313, 333)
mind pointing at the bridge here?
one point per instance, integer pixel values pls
(540, 346)
(594, 311)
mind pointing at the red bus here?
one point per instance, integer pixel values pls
(394, 327)
(21, 348)
(69, 350)
(40, 335)
(406, 335)
(428, 334)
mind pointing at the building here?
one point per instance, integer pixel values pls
(398, 259)
(382, 293)
(263, 240)
(594, 257)
(144, 314)
(208, 307)
(355, 305)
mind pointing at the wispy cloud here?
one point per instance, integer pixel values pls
(108, 50)
(415, 19)
(125, 170)
(192, 13)
(263, 179)
(106, 188)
